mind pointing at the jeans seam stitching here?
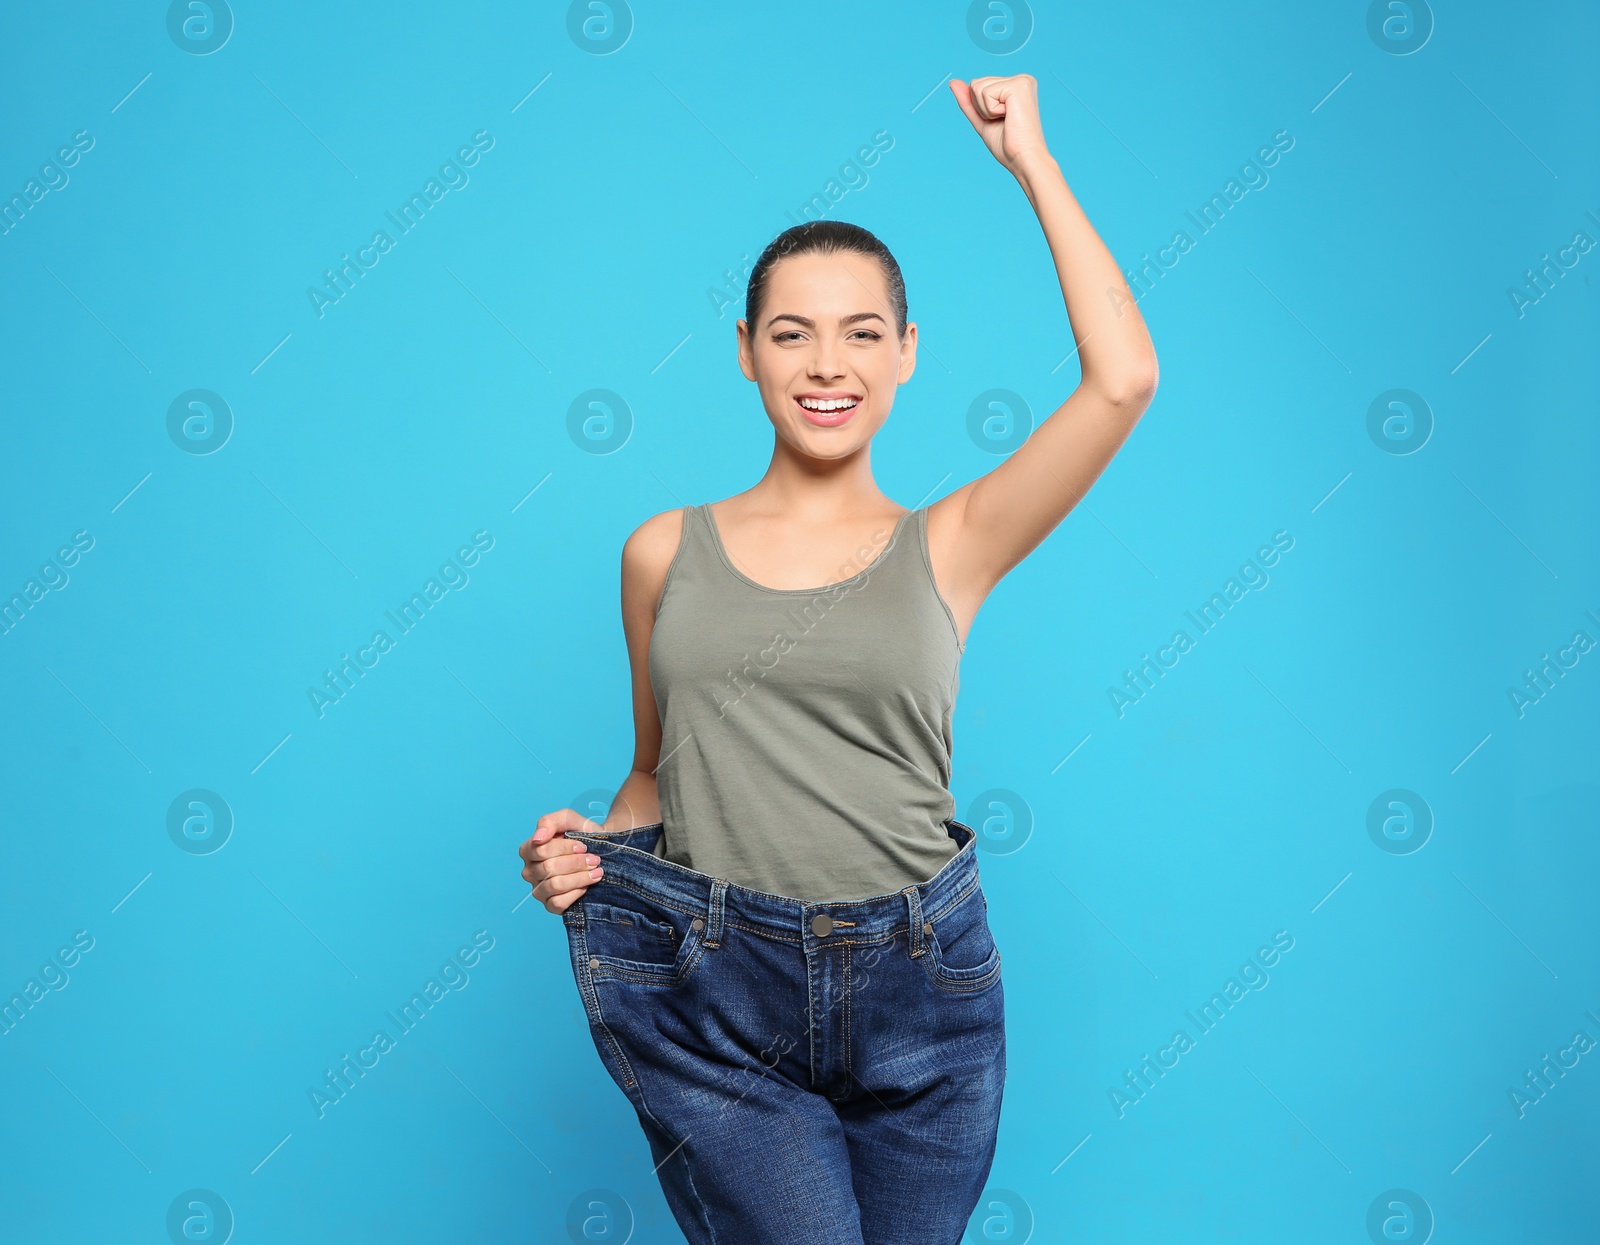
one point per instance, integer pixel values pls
(688, 1170)
(599, 1012)
(966, 986)
(682, 974)
(811, 1021)
(954, 903)
(653, 896)
(765, 931)
(848, 971)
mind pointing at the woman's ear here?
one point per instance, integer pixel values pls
(747, 363)
(908, 353)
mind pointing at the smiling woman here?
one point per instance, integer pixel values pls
(786, 837)
(850, 277)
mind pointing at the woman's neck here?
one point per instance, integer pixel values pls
(816, 489)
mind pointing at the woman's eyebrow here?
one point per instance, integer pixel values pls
(811, 324)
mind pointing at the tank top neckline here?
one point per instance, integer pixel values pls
(727, 561)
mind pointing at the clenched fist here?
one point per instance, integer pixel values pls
(1005, 112)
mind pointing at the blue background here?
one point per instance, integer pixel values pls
(1128, 883)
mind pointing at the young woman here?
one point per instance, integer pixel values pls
(778, 933)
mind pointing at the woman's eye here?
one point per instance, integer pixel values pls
(858, 335)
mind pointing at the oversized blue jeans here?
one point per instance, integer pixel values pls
(806, 1073)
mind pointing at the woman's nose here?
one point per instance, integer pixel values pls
(825, 363)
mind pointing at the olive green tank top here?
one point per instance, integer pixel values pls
(806, 733)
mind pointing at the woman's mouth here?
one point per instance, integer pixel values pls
(827, 412)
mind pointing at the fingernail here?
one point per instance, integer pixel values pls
(578, 847)
(595, 873)
(592, 860)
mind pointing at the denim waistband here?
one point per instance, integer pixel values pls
(630, 860)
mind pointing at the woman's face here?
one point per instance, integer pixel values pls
(825, 355)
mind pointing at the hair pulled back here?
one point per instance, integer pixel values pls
(824, 237)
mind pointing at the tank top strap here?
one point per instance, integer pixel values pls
(693, 550)
(700, 543)
(696, 529)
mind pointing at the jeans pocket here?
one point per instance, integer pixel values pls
(629, 936)
(961, 953)
(610, 1050)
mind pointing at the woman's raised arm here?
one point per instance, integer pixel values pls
(990, 524)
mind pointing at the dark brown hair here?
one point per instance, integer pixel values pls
(824, 237)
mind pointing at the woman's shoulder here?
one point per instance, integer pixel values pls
(651, 546)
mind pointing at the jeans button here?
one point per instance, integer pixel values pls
(593, 963)
(927, 927)
(822, 925)
(697, 923)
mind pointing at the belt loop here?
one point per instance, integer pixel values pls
(719, 891)
(914, 918)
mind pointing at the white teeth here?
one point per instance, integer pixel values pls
(832, 404)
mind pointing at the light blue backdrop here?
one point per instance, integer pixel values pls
(1381, 747)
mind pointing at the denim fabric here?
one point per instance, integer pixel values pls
(806, 1073)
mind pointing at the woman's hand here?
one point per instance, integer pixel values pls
(1005, 112)
(559, 868)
